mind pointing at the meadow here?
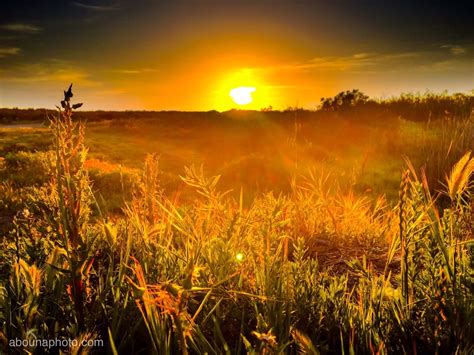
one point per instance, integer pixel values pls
(347, 229)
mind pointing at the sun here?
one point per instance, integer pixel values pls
(242, 95)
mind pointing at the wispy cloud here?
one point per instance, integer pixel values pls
(98, 5)
(443, 58)
(454, 64)
(135, 71)
(455, 49)
(21, 27)
(361, 60)
(7, 51)
(345, 63)
(49, 70)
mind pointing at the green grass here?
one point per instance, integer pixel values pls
(260, 156)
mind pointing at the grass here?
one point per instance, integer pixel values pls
(320, 265)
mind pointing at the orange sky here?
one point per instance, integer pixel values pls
(181, 56)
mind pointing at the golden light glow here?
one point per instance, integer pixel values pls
(239, 257)
(254, 92)
(241, 87)
(242, 95)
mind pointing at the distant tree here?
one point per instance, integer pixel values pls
(343, 100)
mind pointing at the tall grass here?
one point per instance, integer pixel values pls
(318, 270)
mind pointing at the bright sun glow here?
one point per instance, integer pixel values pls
(241, 88)
(242, 95)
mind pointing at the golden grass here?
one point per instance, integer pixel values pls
(319, 269)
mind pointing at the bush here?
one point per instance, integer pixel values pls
(29, 168)
(344, 101)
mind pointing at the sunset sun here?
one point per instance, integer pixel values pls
(242, 95)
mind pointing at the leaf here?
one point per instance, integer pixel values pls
(112, 343)
(76, 105)
(304, 343)
(68, 94)
(111, 233)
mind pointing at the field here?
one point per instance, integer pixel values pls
(348, 229)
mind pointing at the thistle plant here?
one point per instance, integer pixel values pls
(74, 198)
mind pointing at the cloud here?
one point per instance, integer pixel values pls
(455, 64)
(7, 51)
(98, 5)
(455, 49)
(49, 70)
(135, 71)
(353, 62)
(433, 59)
(362, 55)
(21, 27)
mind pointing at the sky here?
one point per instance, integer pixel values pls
(188, 55)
